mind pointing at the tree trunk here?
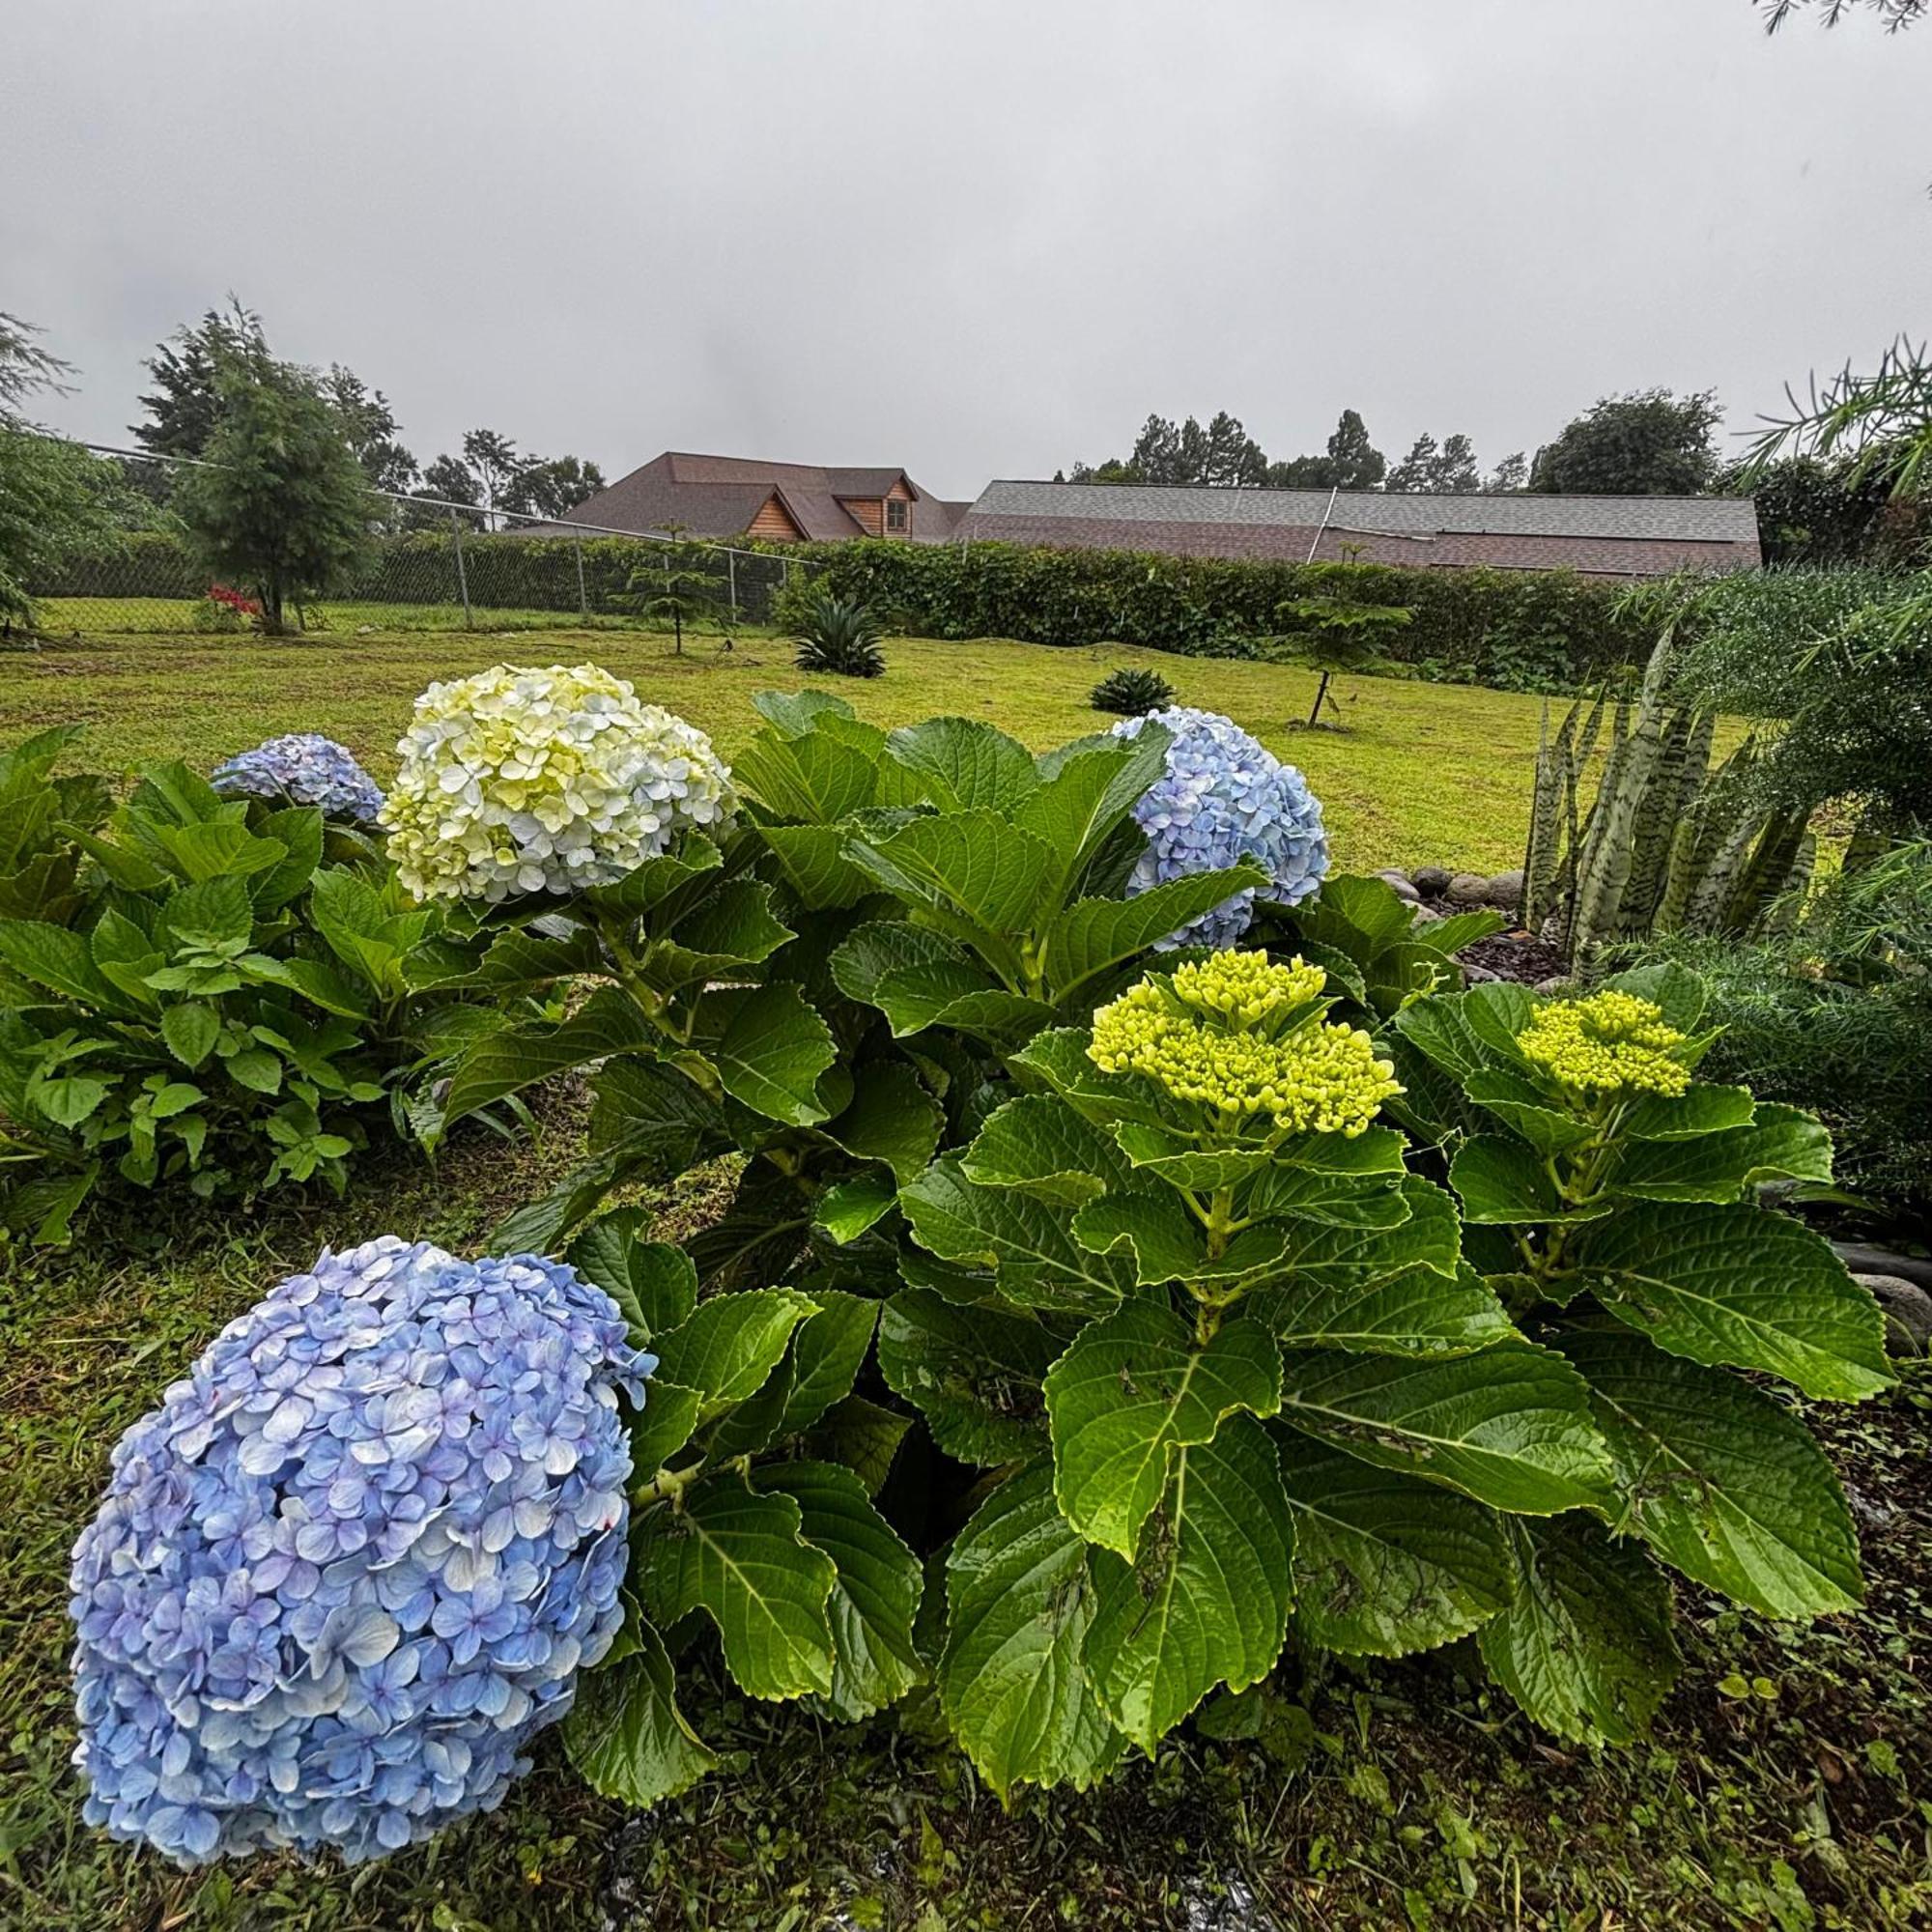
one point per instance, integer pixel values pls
(1321, 694)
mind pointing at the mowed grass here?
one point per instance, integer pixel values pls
(1421, 772)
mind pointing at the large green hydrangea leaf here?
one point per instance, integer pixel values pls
(1385, 1564)
(625, 1734)
(1090, 937)
(731, 928)
(812, 776)
(1030, 1242)
(1011, 1680)
(1505, 1183)
(653, 1283)
(891, 1117)
(974, 865)
(1723, 1482)
(1780, 1144)
(1509, 1425)
(1168, 1243)
(1585, 1645)
(730, 1343)
(770, 1049)
(1430, 1238)
(1413, 1312)
(876, 1595)
(1058, 1059)
(738, 1556)
(607, 1023)
(1089, 793)
(1735, 1285)
(1206, 1601)
(975, 1373)
(1041, 1146)
(1132, 1389)
(964, 763)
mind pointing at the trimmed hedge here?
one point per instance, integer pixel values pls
(1518, 630)
(503, 572)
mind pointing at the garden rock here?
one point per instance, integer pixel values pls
(1908, 1313)
(1431, 880)
(1467, 889)
(1506, 888)
(1398, 882)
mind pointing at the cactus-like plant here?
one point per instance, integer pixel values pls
(1131, 692)
(1667, 844)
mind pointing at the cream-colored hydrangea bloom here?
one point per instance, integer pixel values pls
(544, 781)
(1320, 1078)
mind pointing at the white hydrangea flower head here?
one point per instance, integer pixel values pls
(522, 781)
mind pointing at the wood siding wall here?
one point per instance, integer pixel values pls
(772, 521)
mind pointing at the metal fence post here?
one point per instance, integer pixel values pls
(462, 576)
(731, 574)
(583, 597)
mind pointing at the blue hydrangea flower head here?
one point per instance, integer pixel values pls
(302, 768)
(355, 1562)
(1224, 797)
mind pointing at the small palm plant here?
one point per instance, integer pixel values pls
(1131, 692)
(1337, 636)
(840, 635)
(678, 587)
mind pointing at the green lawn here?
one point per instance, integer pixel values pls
(1423, 773)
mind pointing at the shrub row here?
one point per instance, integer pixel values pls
(1520, 630)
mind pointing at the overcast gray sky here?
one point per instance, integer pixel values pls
(976, 238)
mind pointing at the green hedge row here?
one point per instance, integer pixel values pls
(1520, 630)
(502, 572)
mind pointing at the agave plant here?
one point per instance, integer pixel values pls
(1131, 692)
(1668, 844)
(840, 635)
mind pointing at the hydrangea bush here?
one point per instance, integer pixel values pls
(1225, 797)
(302, 768)
(356, 1559)
(517, 781)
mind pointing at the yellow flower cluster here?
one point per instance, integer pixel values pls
(1318, 1079)
(1610, 1043)
(1244, 988)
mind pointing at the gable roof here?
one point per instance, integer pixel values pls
(1603, 535)
(719, 495)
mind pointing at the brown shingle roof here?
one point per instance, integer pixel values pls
(719, 495)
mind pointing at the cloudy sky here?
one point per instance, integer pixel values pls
(976, 237)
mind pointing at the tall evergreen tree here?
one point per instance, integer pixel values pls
(1648, 443)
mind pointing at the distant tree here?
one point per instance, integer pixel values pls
(1231, 458)
(1510, 473)
(1647, 443)
(281, 503)
(494, 462)
(26, 369)
(1417, 470)
(681, 584)
(182, 406)
(1896, 13)
(1157, 456)
(448, 480)
(553, 488)
(1449, 468)
(53, 495)
(1352, 461)
(1358, 463)
(369, 427)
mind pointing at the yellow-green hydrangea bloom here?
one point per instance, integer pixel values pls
(1611, 1042)
(1316, 1078)
(544, 781)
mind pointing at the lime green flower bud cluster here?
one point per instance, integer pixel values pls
(1198, 1041)
(1244, 989)
(1612, 1043)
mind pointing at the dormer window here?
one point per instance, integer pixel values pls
(898, 516)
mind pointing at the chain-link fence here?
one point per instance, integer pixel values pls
(431, 565)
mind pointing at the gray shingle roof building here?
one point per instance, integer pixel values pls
(1598, 536)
